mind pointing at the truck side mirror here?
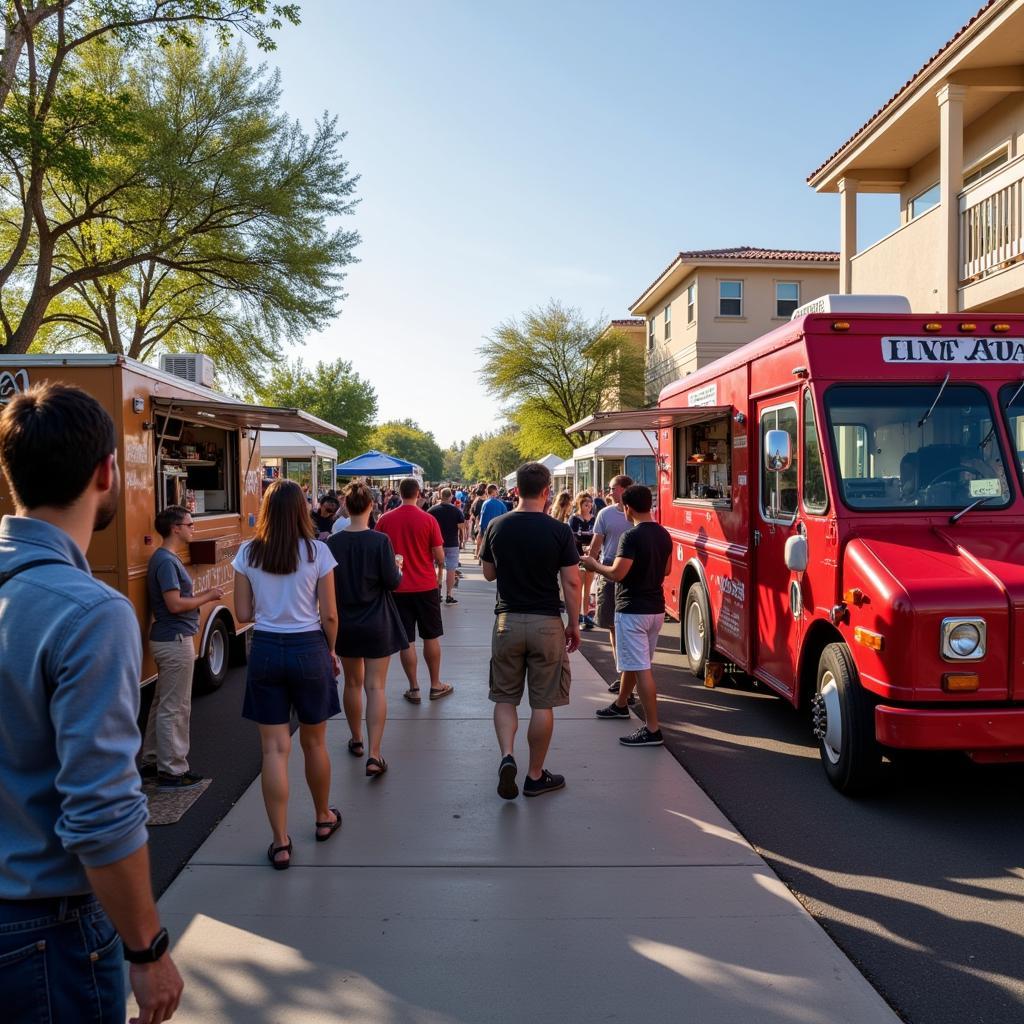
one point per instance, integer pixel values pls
(778, 456)
(796, 553)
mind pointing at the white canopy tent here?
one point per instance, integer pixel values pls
(563, 476)
(550, 460)
(293, 456)
(622, 451)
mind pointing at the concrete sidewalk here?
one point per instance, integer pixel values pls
(625, 897)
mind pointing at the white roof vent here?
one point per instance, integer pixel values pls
(854, 304)
(189, 366)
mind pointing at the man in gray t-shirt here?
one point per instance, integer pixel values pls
(611, 523)
(175, 622)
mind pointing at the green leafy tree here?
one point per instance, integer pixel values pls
(538, 435)
(253, 267)
(332, 391)
(102, 174)
(492, 457)
(405, 439)
(552, 367)
(452, 468)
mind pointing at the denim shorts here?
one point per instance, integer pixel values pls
(60, 960)
(290, 671)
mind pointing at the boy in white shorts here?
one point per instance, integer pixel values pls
(641, 564)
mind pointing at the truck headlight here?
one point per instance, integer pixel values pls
(963, 639)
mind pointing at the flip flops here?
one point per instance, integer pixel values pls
(375, 767)
(331, 826)
(355, 748)
(412, 695)
(273, 851)
(445, 690)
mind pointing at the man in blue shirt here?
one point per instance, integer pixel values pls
(491, 509)
(74, 878)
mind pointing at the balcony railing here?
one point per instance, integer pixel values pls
(992, 222)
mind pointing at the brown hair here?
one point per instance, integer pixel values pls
(52, 438)
(577, 505)
(622, 480)
(283, 522)
(562, 506)
(531, 479)
(409, 488)
(168, 518)
(358, 498)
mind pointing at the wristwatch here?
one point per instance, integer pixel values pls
(152, 952)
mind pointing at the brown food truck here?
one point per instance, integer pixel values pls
(178, 443)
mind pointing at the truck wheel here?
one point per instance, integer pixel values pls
(696, 629)
(212, 666)
(843, 715)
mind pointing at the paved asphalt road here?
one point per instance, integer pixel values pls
(922, 886)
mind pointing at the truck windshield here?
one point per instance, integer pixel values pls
(888, 459)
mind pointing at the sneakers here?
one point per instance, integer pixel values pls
(643, 737)
(612, 711)
(451, 600)
(614, 687)
(148, 770)
(507, 788)
(178, 781)
(547, 783)
(586, 622)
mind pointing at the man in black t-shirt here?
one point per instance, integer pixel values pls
(643, 561)
(527, 551)
(450, 519)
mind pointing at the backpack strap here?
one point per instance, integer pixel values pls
(25, 566)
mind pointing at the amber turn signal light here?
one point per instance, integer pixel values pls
(841, 325)
(864, 636)
(1000, 328)
(968, 327)
(959, 682)
(933, 326)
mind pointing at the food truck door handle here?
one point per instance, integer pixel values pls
(757, 538)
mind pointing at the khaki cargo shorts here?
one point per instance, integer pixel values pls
(529, 650)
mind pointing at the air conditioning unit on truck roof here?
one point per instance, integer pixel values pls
(854, 304)
(190, 366)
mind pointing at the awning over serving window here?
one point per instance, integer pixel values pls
(650, 419)
(249, 417)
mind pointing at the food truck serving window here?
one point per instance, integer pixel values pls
(704, 460)
(198, 468)
(916, 446)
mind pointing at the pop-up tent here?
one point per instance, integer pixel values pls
(298, 457)
(374, 463)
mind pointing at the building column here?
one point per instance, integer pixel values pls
(847, 232)
(951, 182)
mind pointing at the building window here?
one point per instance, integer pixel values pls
(987, 166)
(787, 297)
(668, 323)
(691, 302)
(924, 201)
(730, 298)
(650, 333)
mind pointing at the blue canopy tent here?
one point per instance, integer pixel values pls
(373, 463)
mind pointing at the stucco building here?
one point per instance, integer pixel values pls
(618, 394)
(950, 143)
(708, 302)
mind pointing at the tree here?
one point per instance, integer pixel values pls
(553, 367)
(156, 169)
(492, 457)
(538, 435)
(452, 465)
(405, 439)
(332, 391)
(260, 270)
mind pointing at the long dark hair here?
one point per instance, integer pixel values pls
(283, 521)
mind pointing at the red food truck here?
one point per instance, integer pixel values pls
(846, 499)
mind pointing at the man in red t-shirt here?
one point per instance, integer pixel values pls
(416, 537)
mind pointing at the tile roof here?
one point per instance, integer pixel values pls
(632, 322)
(906, 85)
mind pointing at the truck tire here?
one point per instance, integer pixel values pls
(212, 665)
(843, 716)
(695, 629)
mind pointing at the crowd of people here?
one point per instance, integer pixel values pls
(333, 594)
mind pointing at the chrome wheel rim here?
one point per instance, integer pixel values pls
(216, 652)
(695, 631)
(832, 741)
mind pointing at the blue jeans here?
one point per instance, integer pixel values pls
(60, 961)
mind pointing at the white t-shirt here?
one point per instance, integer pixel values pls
(339, 524)
(287, 604)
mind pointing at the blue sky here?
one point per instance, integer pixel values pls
(512, 153)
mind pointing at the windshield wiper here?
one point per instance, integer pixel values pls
(957, 516)
(924, 419)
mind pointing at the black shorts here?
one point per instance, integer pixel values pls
(286, 671)
(421, 610)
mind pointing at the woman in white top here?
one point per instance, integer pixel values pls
(284, 581)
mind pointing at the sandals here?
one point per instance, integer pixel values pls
(412, 695)
(273, 851)
(331, 826)
(355, 748)
(375, 767)
(444, 691)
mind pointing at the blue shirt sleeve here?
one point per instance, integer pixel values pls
(93, 709)
(167, 577)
